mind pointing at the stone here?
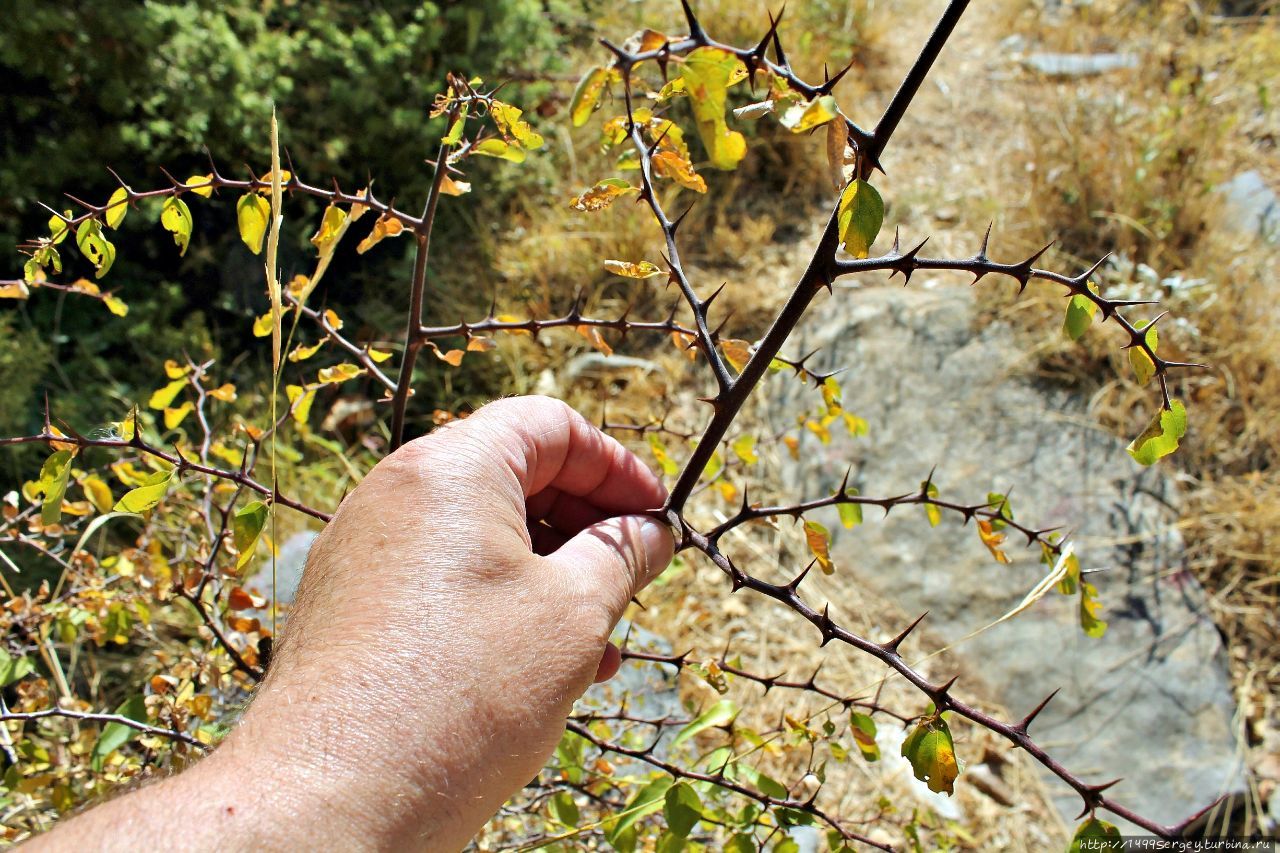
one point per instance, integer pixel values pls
(1150, 701)
(1079, 64)
(1250, 206)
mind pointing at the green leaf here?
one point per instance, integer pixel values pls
(1102, 837)
(454, 136)
(117, 207)
(864, 734)
(147, 495)
(116, 735)
(58, 227)
(708, 72)
(503, 150)
(52, 484)
(934, 513)
(662, 457)
(95, 247)
(512, 127)
(587, 94)
(569, 754)
(807, 116)
(682, 809)
(253, 212)
(1080, 311)
(850, 514)
(741, 843)
(14, 669)
(1161, 436)
(860, 216)
(246, 527)
(651, 799)
(565, 810)
(1143, 367)
(720, 714)
(932, 754)
(762, 782)
(175, 216)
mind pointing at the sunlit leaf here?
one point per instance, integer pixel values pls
(226, 392)
(1080, 311)
(1090, 607)
(564, 809)
(992, 540)
(116, 735)
(52, 484)
(864, 735)
(59, 227)
(736, 352)
(300, 400)
(386, 226)
(807, 116)
(15, 290)
(454, 135)
(95, 247)
(932, 754)
(720, 714)
(253, 214)
(932, 510)
(708, 72)
(650, 799)
(819, 540)
(201, 185)
(860, 216)
(629, 269)
(302, 352)
(593, 336)
(1161, 436)
(756, 110)
(175, 216)
(163, 398)
(587, 95)
(378, 355)
(1096, 835)
(1143, 367)
(331, 228)
(452, 357)
(338, 373)
(448, 186)
(246, 526)
(682, 809)
(744, 447)
(674, 165)
(115, 305)
(602, 195)
(14, 669)
(500, 148)
(117, 207)
(147, 495)
(173, 418)
(850, 514)
(98, 493)
(511, 126)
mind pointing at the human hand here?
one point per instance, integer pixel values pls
(457, 604)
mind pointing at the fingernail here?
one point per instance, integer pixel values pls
(658, 545)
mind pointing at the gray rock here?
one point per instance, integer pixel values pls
(289, 565)
(1079, 64)
(1250, 206)
(651, 691)
(1150, 701)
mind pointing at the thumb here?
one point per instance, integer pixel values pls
(617, 557)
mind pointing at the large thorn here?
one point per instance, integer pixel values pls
(892, 645)
(1035, 712)
(695, 27)
(825, 88)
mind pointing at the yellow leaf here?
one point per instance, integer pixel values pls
(501, 149)
(115, 305)
(173, 370)
(479, 344)
(602, 195)
(117, 207)
(62, 445)
(670, 164)
(226, 393)
(1143, 367)
(83, 285)
(338, 373)
(992, 540)
(737, 352)
(332, 225)
(449, 186)
(386, 226)
(820, 544)
(661, 456)
(931, 752)
(262, 326)
(302, 353)
(686, 343)
(587, 95)
(98, 493)
(807, 116)
(300, 400)
(820, 430)
(14, 290)
(860, 216)
(332, 319)
(201, 185)
(708, 72)
(511, 126)
(253, 213)
(793, 446)
(378, 355)
(643, 269)
(164, 397)
(174, 417)
(511, 318)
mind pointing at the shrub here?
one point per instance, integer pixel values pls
(164, 564)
